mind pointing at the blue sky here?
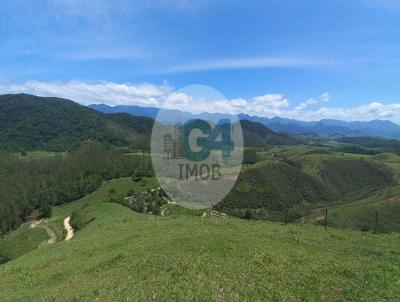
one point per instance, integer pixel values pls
(301, 59)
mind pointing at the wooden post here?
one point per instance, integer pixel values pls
(286, 216)
(376, 222)
(209, 212)
(326, 219)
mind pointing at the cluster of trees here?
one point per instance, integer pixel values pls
(150, 202)
(378, 143)
(34, 184)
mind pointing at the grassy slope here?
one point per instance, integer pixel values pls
(357, 199)
(360, 214)
(26, 239)
(120, 256)
(22, 241)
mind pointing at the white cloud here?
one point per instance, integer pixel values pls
(304, 104)
(374, 110)
(92, 93)
(164, 96)
(178, 100)
(242, 63)
(325, 97)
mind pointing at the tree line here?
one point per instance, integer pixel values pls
(28, 184)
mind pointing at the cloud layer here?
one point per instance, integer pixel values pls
(165, 96)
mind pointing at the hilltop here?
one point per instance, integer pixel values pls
(30, 122)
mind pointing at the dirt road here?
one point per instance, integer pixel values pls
(68, 227)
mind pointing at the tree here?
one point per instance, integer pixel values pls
(45, 211)
(250, 156)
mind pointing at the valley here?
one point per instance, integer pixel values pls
(88, 220)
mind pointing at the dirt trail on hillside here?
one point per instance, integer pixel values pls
(50, 232)
(68, 227)
(52, 235)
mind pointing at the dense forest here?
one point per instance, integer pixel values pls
(378, 144)
(30, 123)
(258, 135)
(28, 184)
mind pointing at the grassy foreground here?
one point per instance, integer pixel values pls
(121, 256)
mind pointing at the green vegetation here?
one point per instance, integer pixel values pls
(291, 182)
(31, 123)
(30, 184)
(121, 256)
(22, 241)
(374, 143)
(257, 135)
(276, 186)
(70, 161)
(361, 214)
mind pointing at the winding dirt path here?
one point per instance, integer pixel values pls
(50, 232)
(68, 227)
(52, 235)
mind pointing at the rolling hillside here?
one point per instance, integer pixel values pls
(120, 255)
(299, 179)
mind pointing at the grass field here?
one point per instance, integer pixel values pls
(26, 239)
(361, 214)
(121, 256)
(22, 241)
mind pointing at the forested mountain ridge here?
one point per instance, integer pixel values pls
(30, 122)
(258, 135)
(324, 127)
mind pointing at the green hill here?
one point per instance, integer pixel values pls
(258, 135)
(300, 179)
(361, 214)
(30, 122)
(276, 187)
(120, 255)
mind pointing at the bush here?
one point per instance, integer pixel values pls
(45, 212)
(3, 258)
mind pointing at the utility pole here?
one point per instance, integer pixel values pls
(376, 222)
(326, 219)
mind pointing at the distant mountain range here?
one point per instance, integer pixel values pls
(29, 123)
(325, 127)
